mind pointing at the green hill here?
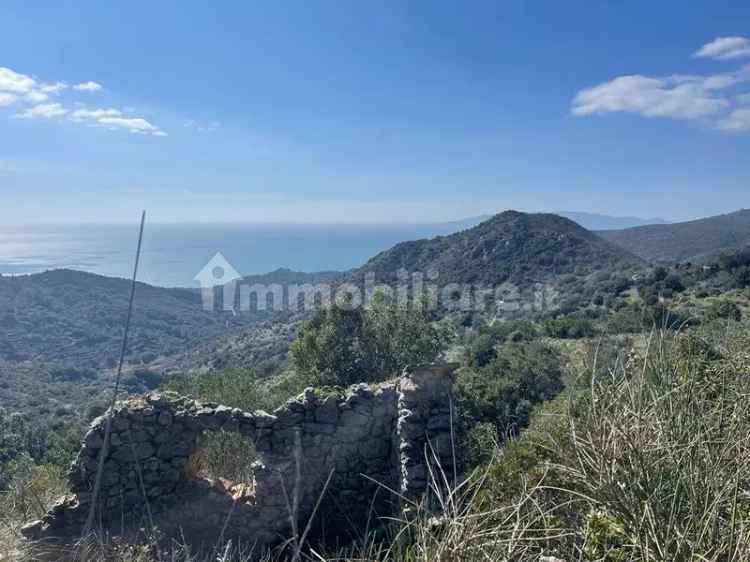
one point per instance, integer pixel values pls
(516, 247)
(67, 316)
(683, 241)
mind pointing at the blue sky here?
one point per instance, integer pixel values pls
(349, 111)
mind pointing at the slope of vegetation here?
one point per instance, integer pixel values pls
(514, 247)
(643, 457)
(691, 240)
(74, 317)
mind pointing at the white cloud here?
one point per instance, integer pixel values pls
(36, 96)
(53, 88)
(724, 48)
(21, 89)
(712, 98)
(7, 99)
(24, 87)
(132, 124)
(45, 110)
(80, 115)
(737, 121)
(112, 119)
(13, 82)
(675, 97)
(88, 87)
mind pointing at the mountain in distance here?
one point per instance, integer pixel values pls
(60, 331)
(595, 221)
(511, 246)
(589, 221)
(690, 240)
(71, 317)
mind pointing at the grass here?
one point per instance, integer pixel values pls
(644, 458)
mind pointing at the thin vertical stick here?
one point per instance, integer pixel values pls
(115, 390)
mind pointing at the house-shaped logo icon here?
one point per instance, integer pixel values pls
(218, 272)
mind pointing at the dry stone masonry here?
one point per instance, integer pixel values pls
(362, 451)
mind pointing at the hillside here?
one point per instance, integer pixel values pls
(66, 316)
(683, 241)
(589, 221)
(517, 247)
(595, 221)
(286, 276)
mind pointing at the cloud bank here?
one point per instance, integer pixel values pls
(34, 101)
(717, 99)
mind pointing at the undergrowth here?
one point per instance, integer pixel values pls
(645, 457)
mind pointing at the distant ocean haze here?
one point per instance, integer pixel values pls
(174, 253)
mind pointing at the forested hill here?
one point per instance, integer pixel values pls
(684, 241)
(511, 246)
(75, 318)
(78, 318)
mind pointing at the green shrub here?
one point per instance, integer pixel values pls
(725, 310)
(504, 391)
(238, 388)
(569, 327)
(480, 351)
(340, 346)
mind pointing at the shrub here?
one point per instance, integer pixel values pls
(685, 424)
(505, 391)
(480, 351)
(342, 346)
(725, 310)
(569, 327)
(238, 388)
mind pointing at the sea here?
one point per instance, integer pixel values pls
(173, 254)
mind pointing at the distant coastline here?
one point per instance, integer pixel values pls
(174, 253)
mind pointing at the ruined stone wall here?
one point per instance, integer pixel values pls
(360, 446)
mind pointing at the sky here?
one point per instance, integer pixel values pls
(389, 111)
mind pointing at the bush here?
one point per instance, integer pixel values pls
(238, 388)
(481, 346)
(569, 327)
(645, 461)
(725, 310)
(505, 391)
(341, 346)
(480, 351)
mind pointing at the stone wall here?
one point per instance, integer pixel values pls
(361, 446)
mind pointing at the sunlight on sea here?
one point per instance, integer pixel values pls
(173, 254)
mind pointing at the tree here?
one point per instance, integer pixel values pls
(398, 337)
(480, 351)
(340, 346)
(504, 391)
(329, 348)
